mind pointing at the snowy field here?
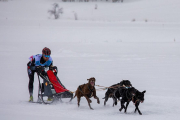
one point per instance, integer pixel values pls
(138, 40)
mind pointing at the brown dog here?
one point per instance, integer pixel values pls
(87, 90)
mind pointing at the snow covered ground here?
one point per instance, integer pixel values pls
(138, 40)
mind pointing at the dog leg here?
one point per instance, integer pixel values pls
(89, 101)
(90, 106)
(106, 99)
(114, 101)
(137, 108)
(105, 102)
(78, 99)
(126, 107)
(122, 105)
(97, 99)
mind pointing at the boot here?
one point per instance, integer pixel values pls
(31, 99)
(49, 99)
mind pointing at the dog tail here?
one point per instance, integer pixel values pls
(74, 95)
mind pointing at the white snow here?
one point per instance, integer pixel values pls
(138, 40)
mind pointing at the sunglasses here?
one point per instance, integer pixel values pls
(47, 56)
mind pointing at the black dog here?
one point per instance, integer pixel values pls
(113, 93)
(139, 97)
(109, 93)
(127, 95)
(135, 96)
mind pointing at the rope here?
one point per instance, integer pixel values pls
(104, 88)
(99, 89)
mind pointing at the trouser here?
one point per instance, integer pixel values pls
(31, 80)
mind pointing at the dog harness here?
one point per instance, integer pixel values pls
(91, 91)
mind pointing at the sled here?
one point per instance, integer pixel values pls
(51, 89)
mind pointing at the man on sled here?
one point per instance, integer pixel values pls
(35, 65)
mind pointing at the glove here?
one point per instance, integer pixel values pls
(40, 70)
(54, 69)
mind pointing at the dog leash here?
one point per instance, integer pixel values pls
(99, 89)
(104, 88)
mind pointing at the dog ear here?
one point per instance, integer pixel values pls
(144, 91)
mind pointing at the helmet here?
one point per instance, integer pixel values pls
(46, 51)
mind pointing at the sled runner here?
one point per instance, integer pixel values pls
(51, 89)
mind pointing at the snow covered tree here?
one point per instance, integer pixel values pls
(56, 11)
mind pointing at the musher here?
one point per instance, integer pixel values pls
(36, 62)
